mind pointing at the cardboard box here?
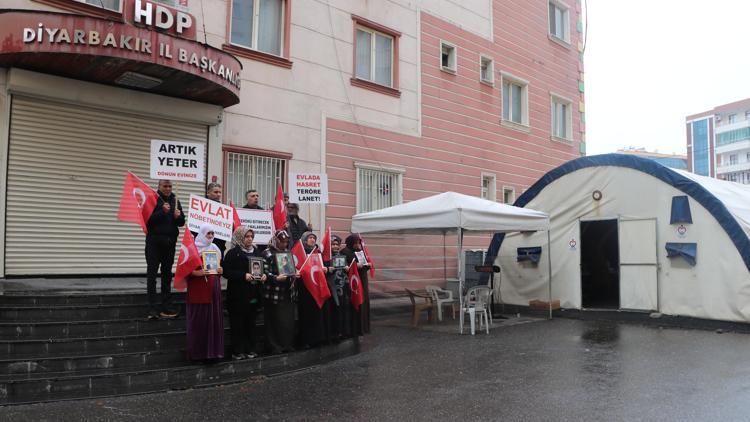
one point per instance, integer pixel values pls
(541, 305)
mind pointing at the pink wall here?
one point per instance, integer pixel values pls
(461, 132)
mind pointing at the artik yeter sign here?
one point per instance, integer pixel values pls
(203, 210)
(261, 221)
(176, 160)
(308, 187)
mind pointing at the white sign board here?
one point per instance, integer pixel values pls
(261, 221)
(308, 187)
(176, 160)
(203, 210)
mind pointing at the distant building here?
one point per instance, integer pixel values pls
(718, 142)
(675, 161)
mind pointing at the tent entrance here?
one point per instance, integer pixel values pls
(600, 264)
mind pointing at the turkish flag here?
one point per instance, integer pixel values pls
(314, 279)
(188, 261)
(298, 251)
(369, 258)
(137, 202)
(235, 217)
(279, 209)
(325, 245)
(355, 284)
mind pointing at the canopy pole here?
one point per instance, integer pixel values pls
(549, 267)
(460, 236)
(445, 260)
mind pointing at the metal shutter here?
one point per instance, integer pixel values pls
(66, 167)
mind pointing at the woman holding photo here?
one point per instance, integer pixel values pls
(314, 327)
(205, 314)
(361, 318)
(278, 298)
(243, 292)
(338, 283)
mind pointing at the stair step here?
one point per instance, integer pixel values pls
(153, 380)
(79, 329)
(73, 312)
(80, 299)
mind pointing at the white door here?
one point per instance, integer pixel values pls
(638, 264)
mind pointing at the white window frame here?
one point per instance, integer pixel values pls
(559, 99)
(397, 171)
(491, 189)
(452, 64)
(732, 118)
(524, 84)
(491, 70)
(99, 5)
(565, 9)
(512, 191)
(372, 33)
(256, 21)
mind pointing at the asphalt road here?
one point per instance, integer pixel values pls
(545, 370)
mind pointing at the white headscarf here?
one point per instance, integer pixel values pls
(202, 242)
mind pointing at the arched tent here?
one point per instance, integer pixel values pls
(629, 233)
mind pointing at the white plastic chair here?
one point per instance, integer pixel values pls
(436, 292)
(477, 301)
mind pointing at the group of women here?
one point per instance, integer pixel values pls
(291, 316)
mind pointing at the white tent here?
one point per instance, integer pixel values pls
(631, 234)
(451, 212)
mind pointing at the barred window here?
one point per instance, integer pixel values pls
(378, 188)
(246, 171)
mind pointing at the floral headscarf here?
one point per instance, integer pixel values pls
(279, 235)
(238, 239)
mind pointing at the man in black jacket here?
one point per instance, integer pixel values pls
(253, 198)
(163, 229)
(294, 224)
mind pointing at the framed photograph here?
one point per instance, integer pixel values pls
(361, 258)
(285, 263)
(210, 261)
(256, 267)
(339, 261)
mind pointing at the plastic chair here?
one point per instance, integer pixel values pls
(476, 301)
(435, 292)
(418, 307)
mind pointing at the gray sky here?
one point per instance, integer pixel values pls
(650, 63)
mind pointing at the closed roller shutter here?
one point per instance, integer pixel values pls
(66, 167)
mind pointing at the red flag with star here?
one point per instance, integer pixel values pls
(137, 202)
(314, 279)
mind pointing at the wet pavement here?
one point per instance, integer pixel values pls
(536, 370)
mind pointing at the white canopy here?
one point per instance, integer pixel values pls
(447, 212)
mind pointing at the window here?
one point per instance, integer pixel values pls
(248, 171)
(562, 120)
(700, 142)
(448, 57)
(113, 5)
(488, 186)
(733, 159)
(509, 195)
(486, 70)
(732, 118)
(378, 187)
(374, 56)
(747, 115)
(559, 21)
(257, 25)
(515, 100)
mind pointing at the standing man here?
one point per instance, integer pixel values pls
(214, 192)
(294, 224)
(253, 198)
(163, 229)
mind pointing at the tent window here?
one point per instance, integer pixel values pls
(680, 210)
(688, 251)
(531, 254)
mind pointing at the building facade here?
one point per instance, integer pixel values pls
(675, 161)
(394, 100)
(719, 142)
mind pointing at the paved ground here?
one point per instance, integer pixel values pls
(524, 370)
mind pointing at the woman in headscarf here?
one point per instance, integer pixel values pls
(361, 318)
(313, 325)
(278, 298)
(243, 292)
(205, 315)
(340, 302)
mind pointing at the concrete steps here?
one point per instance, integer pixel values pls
(69, 346)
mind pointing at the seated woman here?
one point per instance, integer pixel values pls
(243, 292)
(205, 315)
(278, 298)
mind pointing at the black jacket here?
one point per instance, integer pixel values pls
(164, 224)
(239, 291)
(296, 227)
(255, 207)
